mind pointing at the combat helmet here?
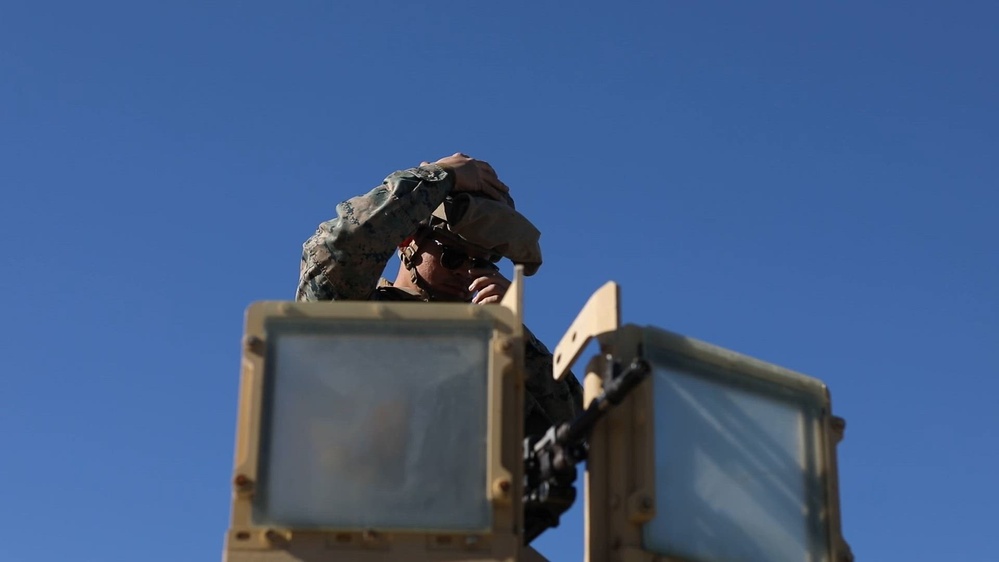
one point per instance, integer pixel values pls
(490, 227)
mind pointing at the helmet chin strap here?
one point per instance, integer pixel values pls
(406, 255)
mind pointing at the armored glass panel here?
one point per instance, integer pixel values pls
(736, 467)
(375, 425)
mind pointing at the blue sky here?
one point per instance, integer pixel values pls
(812, 184)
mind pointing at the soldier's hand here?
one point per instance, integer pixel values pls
(474, 176)
(489, 285)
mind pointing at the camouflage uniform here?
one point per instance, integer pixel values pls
(344, 260)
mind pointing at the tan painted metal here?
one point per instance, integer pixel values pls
(621, 467)
(601, 314)
(620, 488)
(249, 542)
(620, 477)
(619, 483)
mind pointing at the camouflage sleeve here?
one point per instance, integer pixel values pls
(345, 257)
(547, 401)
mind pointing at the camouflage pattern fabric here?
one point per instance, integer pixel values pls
(344, 260)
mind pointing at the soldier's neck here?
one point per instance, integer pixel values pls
(404, 281)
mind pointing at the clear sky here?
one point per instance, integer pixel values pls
(810, 183)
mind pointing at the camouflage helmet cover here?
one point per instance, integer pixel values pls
(495, 227)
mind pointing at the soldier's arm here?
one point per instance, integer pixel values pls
(548, 402)
(345, 257)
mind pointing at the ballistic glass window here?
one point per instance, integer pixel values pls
(738, 460)
(371, 424)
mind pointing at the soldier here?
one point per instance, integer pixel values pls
(450, 221)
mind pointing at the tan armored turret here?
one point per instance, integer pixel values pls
(383, 431)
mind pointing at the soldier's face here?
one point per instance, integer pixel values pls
(450, 268)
